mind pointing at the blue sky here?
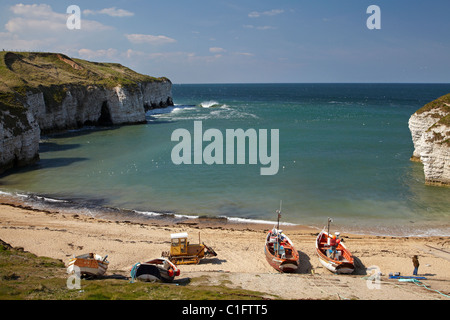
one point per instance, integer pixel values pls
(246, 41)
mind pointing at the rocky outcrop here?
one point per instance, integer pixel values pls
(430, 131)
(19, 139)
(45, 93)
(93, 105)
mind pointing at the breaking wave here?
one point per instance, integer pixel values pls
(210, 104)
(168, 110)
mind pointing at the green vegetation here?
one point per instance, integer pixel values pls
(440, 104)
(21, 71)
(441, 107)
(12, 112)
(53, 74)
(25, 276)
(445, 120)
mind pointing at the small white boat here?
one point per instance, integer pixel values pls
(90, 264)
(156, 270)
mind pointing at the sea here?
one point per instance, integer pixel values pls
(343, 153)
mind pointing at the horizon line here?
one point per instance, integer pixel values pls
(227, 83)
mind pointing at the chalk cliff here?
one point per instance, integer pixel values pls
(430, 131)
(46, 92)
(94, 105)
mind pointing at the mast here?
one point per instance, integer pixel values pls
(278, 228)
(329, 221)
(279, 215)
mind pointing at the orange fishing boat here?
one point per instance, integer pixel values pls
(280, 251)
(90, 264)
(332, 253)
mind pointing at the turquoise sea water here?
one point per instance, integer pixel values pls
(344, 153)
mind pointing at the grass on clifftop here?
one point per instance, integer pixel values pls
(441, 109)
(51, 74)
(441, 104)
(23, 71)
(25, 276)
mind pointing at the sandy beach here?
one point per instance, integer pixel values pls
(240, 260)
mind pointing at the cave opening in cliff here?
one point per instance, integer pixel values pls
(105, 115)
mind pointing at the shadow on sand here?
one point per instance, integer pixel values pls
(304, 263)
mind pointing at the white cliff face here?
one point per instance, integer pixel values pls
(157, 95)
(125, 106)
(19, 145)
(431, 145)
(80, 105)
(435, 157)
(88, 105)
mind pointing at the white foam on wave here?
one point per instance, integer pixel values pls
(149, 213)
(15, 195)
(185, 216)
(255, 221)
(51, 200)
(156, 214)
(168, 110)
(216, 110)
(230, 219)
(210, 104)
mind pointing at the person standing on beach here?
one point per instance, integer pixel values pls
(416, 264)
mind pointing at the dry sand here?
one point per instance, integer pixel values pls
(240, 261)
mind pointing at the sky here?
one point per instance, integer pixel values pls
(244, 41)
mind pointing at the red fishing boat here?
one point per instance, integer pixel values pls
(332, 253)
(280, 251)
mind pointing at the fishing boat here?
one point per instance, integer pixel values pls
(333, 256)
(89, 264)
(279, 250)
(156, 270)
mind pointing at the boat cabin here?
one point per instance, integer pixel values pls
(179, 243)
(180, 246)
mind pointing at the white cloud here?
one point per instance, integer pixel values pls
(9, 41)
(274, 12)
(23, 25)
(178, 57)
(130, 54)
(216, 50)
(149, 39)
(112, 12)
(249, 26)
(32, 18)
(246, 54)
(35, 10)
(88, 54)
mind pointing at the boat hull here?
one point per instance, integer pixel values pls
(281, 265)
(157, 270)
(87, 266)
(336, 268)
(343, 265)
(152, 273)
(285, 265)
